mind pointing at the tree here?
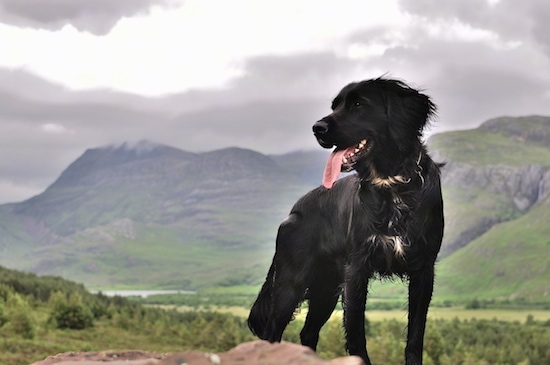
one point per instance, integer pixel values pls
(20, 317)
(71, 313)
(434, 343)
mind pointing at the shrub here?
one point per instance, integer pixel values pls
(20, 319)
(71, 313)
(3, 316)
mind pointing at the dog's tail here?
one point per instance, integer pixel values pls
(259, 313)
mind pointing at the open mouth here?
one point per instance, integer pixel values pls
(343, 161)
(353, 154)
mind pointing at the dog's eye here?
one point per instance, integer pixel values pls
(357, 104)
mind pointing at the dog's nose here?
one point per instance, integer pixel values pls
(320, 127)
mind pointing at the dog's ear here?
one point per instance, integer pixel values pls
(408, 115)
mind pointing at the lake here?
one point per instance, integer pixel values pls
(140, 293)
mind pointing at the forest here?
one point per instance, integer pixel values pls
(42, 316)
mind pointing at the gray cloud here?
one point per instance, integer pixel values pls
(510, 19)
(501, 17)
(44, 127)
(303, 75)
(40, 139)
(271, 107)
(97, 16)
(471, 81)
(541, 27)
(311, 76)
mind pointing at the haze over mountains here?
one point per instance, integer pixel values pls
(151, 215)
(154, 214)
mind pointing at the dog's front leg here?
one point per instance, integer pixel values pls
(420, 294)
(354, 299)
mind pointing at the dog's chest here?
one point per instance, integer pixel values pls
(388, 240)
(389, 215)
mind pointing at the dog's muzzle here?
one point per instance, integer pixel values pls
(320, 130)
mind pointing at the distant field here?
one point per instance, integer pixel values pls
(463, 314)
(435, 313)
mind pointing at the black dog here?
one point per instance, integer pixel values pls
(385, 220)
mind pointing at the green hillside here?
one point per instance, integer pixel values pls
(493, 174)
(44, 316)
(482, 147)
(497, 196)
(496, 189)
(156, 257)
(152, 216)
(510, 261)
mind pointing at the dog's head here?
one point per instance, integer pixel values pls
(378, 121)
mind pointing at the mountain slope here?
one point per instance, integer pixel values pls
(306, 165)
(509, 261)
(494, 173)
(103, 185)
(152, 214)
(497, 195)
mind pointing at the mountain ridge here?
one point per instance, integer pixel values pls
(133, 212)
(533, 127)
(118, 204)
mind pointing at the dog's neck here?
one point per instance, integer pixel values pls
(391, 180)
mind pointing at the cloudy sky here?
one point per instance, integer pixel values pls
(205, 74)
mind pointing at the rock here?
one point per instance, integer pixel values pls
(500, 193)
(127, 357)
(248, 353)
(524, 184)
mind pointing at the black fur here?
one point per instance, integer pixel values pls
(385, 220)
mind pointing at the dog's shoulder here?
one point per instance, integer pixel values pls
(345, 190)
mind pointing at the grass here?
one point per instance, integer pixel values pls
(465, 314)
(470, 210)
(509, 315)
(234, 310)
(508, 261)
(479, 148)
(461, 314)
(381, 297)
(158, 258)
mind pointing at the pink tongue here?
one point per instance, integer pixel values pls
(334, 166)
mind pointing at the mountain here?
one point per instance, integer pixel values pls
(305, 165)
(494, 173)
(151, 213)
(496, 187)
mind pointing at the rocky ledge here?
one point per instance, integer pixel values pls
(249, 353)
